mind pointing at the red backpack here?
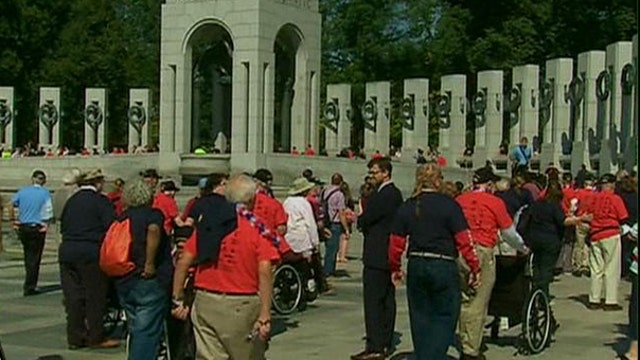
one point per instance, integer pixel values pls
(115, 253)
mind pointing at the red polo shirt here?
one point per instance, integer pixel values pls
(189, 206)
(486, 214)
(116, 199)
(608, 212)
(269, 211)
(586, 199)
(236, 271)
(167, 205)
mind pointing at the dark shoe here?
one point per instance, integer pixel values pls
(594, 306)
(577, 273)
(612, 307)
(32, 292)
(76, 347)
(366, 355)
(586, 273)
(107, 344)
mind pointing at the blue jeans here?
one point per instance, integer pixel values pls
(331, 249)
(433, 291)
(146, 304)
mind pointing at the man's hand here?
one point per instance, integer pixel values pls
(397, 278)
(149, 271)
(180, 312)
(525, 252)
(263, 327)
(586, 217)
(474, 280)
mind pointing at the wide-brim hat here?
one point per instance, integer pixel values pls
(95, 174)
(300, 185)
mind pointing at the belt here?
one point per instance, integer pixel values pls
(227, 293)
(31, 225)
(428, 255)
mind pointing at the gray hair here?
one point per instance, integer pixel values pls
(241, 189)
(137, 194)
(71, 177)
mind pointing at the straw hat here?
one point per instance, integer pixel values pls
(94, 174)
(71, 177)
(300, 185)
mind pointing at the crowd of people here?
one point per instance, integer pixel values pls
(30, 150)
(211, 266)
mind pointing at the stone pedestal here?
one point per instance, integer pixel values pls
(338, 132)
(376, 133)
(618, 55)
(138, 118)
(7, 118)
(452, 114)
(415, 132)
(557, 137)
(49, 118)
(590, 64)
(95, 119)
(526, 79)
(489, 133)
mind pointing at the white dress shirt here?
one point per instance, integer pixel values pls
(302, 231)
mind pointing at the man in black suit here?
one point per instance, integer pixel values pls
(379, 292)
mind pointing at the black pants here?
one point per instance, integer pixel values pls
(545, 255)
(32, 240)
(182, 343)
(379, 309)
(85, 288)
(318, 272)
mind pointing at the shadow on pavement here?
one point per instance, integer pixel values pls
(582, 299)
(282, 324)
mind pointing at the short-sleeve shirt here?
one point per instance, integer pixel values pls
(189, 207)
(269, 211)
(116, 199)
(140, 219)
(486, 214)
(236, 271)
(431, 222)
(608, 214)
(32, 203)
(169, 208)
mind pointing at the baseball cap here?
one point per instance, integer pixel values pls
(202, 183)
(607, 179)
(263, 175)
(484, 175)
(169, 185)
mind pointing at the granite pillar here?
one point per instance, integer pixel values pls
(415, 130)
(95, 119)
(49, 118)
(138, 117)
(486, 105)
(526, 79)
(452, 114)
(557, 137)
(586, 142)
(338, 128)
(7, 118)
(376, 113)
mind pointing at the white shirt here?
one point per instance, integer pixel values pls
(302, 231)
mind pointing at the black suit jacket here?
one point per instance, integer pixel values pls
(375, 223)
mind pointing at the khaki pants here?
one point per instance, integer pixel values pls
(474, 307)
(580, 248)
(604, 264)
(222, 325)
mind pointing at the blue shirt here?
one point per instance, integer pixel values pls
(522, 155)
(34, 204)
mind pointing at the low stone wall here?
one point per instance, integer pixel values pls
(17, 172)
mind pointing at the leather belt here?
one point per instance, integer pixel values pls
(428, 255)
(225, 293)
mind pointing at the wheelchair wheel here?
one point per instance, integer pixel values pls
(111, 320)
(536, 327)
(287, 290)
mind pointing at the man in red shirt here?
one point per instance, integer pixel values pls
(605, 256)
(165, 202)
(267, 208)
(233, 289)
(583, 200)
(486, 215)
(309, 151)
(116, 196)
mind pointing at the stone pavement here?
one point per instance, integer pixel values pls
(331, 328)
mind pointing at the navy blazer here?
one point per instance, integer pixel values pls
(375, 223)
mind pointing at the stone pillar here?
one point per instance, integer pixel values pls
(95, 119)
(557, 137)
(452, 113)
(7, 117)
(487, 104)
(590, 64)
(167, 109)
(138, 117)
(376, 113)
(49, 118)
(526, 79)
(337, 114)
(256, 100)
(240, 112)
(301, 100)
(633, 142)
(618, 55)
(269, 103)
(415, 132)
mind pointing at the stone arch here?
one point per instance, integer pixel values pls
(290, 69)
(208, 49)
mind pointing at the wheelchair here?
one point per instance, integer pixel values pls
(294, 287)
(514, 297)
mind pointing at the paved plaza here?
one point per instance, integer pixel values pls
(331, 328)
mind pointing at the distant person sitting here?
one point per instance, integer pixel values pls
(295, 151)
(521, 155)
(420, 159)
(377, 155)
(309, 151)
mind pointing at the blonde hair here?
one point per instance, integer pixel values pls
(137, 194)
(503, 184)
(428, 176)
